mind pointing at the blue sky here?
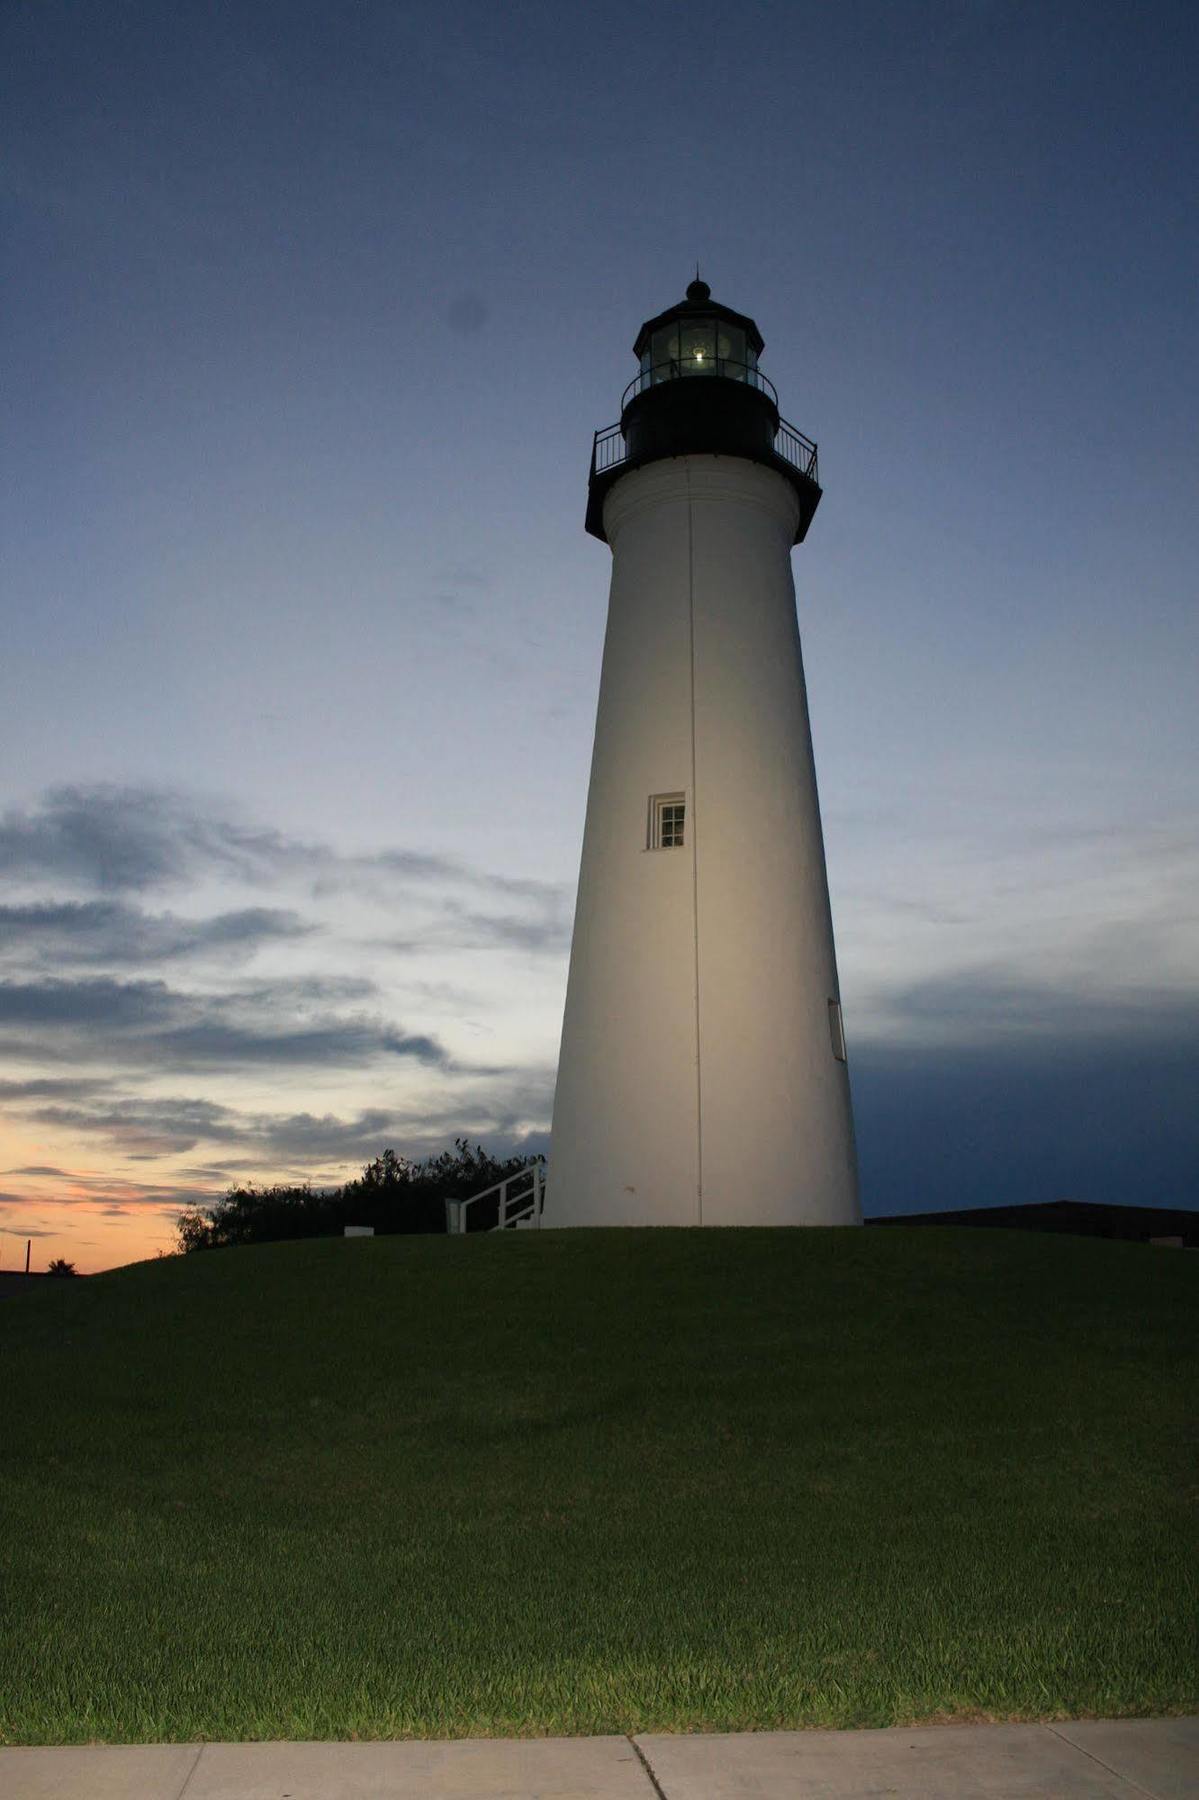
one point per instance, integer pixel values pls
(311, 312)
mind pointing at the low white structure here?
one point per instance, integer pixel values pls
(702, 1078)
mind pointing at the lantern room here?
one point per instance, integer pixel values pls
(698, 337)
(699, 392)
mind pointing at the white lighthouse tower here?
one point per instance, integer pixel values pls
(702, 1079)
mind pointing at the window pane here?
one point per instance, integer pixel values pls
(730, 351)
(698, 347)
(664, 349)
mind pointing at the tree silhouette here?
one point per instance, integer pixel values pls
(392, 1194)
(60, 1266)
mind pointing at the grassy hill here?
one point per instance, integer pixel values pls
(598, 1481)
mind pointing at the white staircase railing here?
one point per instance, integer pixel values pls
(521, 1199)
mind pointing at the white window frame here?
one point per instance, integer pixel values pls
(655, 829)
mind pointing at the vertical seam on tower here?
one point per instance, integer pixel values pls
(699, 1092)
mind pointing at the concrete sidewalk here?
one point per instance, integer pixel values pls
(1089, 1760)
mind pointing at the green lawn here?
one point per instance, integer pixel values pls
(599, 1481)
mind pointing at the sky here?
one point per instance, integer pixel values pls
(311, 311)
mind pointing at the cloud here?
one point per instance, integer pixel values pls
(1064, 910)
(132, 839)
(149, 1023)
(449, 871)
(143, 1127)
(545, 932)
(100, 931)
(108, 837)
(114, 1005)
(502, 1108)
(537, 936)
(991, 1007)
(55, 1087)
(96, 1192)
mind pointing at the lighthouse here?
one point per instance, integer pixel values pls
(702, 1077)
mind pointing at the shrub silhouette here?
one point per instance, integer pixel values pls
(392, 1194)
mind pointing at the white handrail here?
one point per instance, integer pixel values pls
(511, 1210)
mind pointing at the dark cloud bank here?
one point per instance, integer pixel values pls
(1082, 1100)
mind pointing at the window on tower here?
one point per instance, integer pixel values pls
(667, 818)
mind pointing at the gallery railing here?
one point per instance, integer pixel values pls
(609, 450)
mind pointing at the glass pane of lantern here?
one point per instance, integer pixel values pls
(698, 346)
(664, 351)
(730, 351)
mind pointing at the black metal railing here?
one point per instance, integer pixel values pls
(686, 368)
(609, 450)
(798, 450)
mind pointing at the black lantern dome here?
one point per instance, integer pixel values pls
(700, 392)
